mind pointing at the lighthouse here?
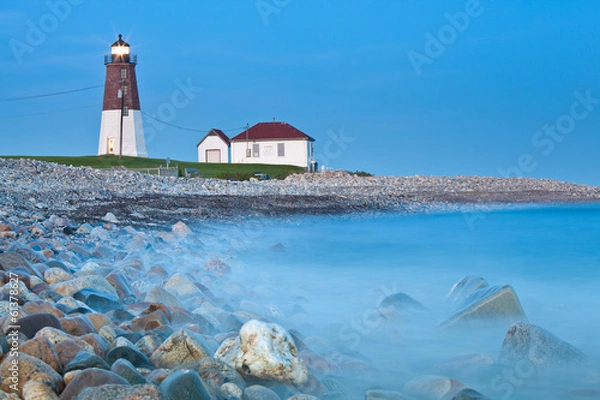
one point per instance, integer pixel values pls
(121, 130)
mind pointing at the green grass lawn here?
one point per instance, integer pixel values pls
(205, 170)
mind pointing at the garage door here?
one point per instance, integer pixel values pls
(213, 156)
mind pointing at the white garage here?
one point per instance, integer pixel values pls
(214, 148)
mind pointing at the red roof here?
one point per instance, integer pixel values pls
(271, 130)
(215, 132)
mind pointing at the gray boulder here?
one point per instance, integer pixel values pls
(492, 304)
(529, 343)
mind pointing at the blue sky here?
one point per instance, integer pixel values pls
(391, 87)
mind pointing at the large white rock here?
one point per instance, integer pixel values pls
(264, 351)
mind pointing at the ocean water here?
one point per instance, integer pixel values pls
(325, 276)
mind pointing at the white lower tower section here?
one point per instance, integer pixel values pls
(133, 134)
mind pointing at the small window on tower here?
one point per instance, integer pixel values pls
(123, 73)
(125, 111)
(125, 90)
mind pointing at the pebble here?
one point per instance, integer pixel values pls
(122, 392)
(90, 378)
(125, 369)
(182, 349)
(42, 349)
(32, 323)
(30, 369)
(257, 392)
(84, 360)
(36, 390)
(185, 384)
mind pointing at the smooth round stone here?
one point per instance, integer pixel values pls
(130, 354)
(118, 316)
(216, 373)
(383, 395)
(85, 360)
(39, 288)
(335, 396)
(79, 310)
(133, 337)
(36, 390)
(30, 369)
(99, 320)
(158, 375)
(159, 295)
(185, 385)
(150, 321)
(90, 378)
(23, 274)
(57, 275)
(77, 325)
(97, 300)
(32, 323)
(284, 391)
(126, 370)
(50, 295)
(149, 343)
(67, 350)
(107, 333)
(181, 349)
(122, 286)
(122, 392)
(231, 389)
(469, 394)
(57, 264)
(99, 343)
(92, 282)
(57, 336)
(10, 260)
(43, 349)
(257, 392)
(27, 253)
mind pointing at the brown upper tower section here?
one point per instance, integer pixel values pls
(120, 78)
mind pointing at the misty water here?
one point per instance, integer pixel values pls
(325, 276)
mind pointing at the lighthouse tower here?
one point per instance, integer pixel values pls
(121, 130)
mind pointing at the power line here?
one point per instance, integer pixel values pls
(188, 129)
(37, 96)
(47, 112)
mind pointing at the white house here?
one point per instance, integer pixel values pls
(214, 148)
(272, 143)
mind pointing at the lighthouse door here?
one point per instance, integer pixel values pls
(111, 145)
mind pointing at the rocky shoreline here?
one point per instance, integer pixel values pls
(85, 194)
(92, 307)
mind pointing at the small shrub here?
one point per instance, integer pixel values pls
(361, 173)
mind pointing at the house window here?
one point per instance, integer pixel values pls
(123, 73)
(255, 150)
(280, 149)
